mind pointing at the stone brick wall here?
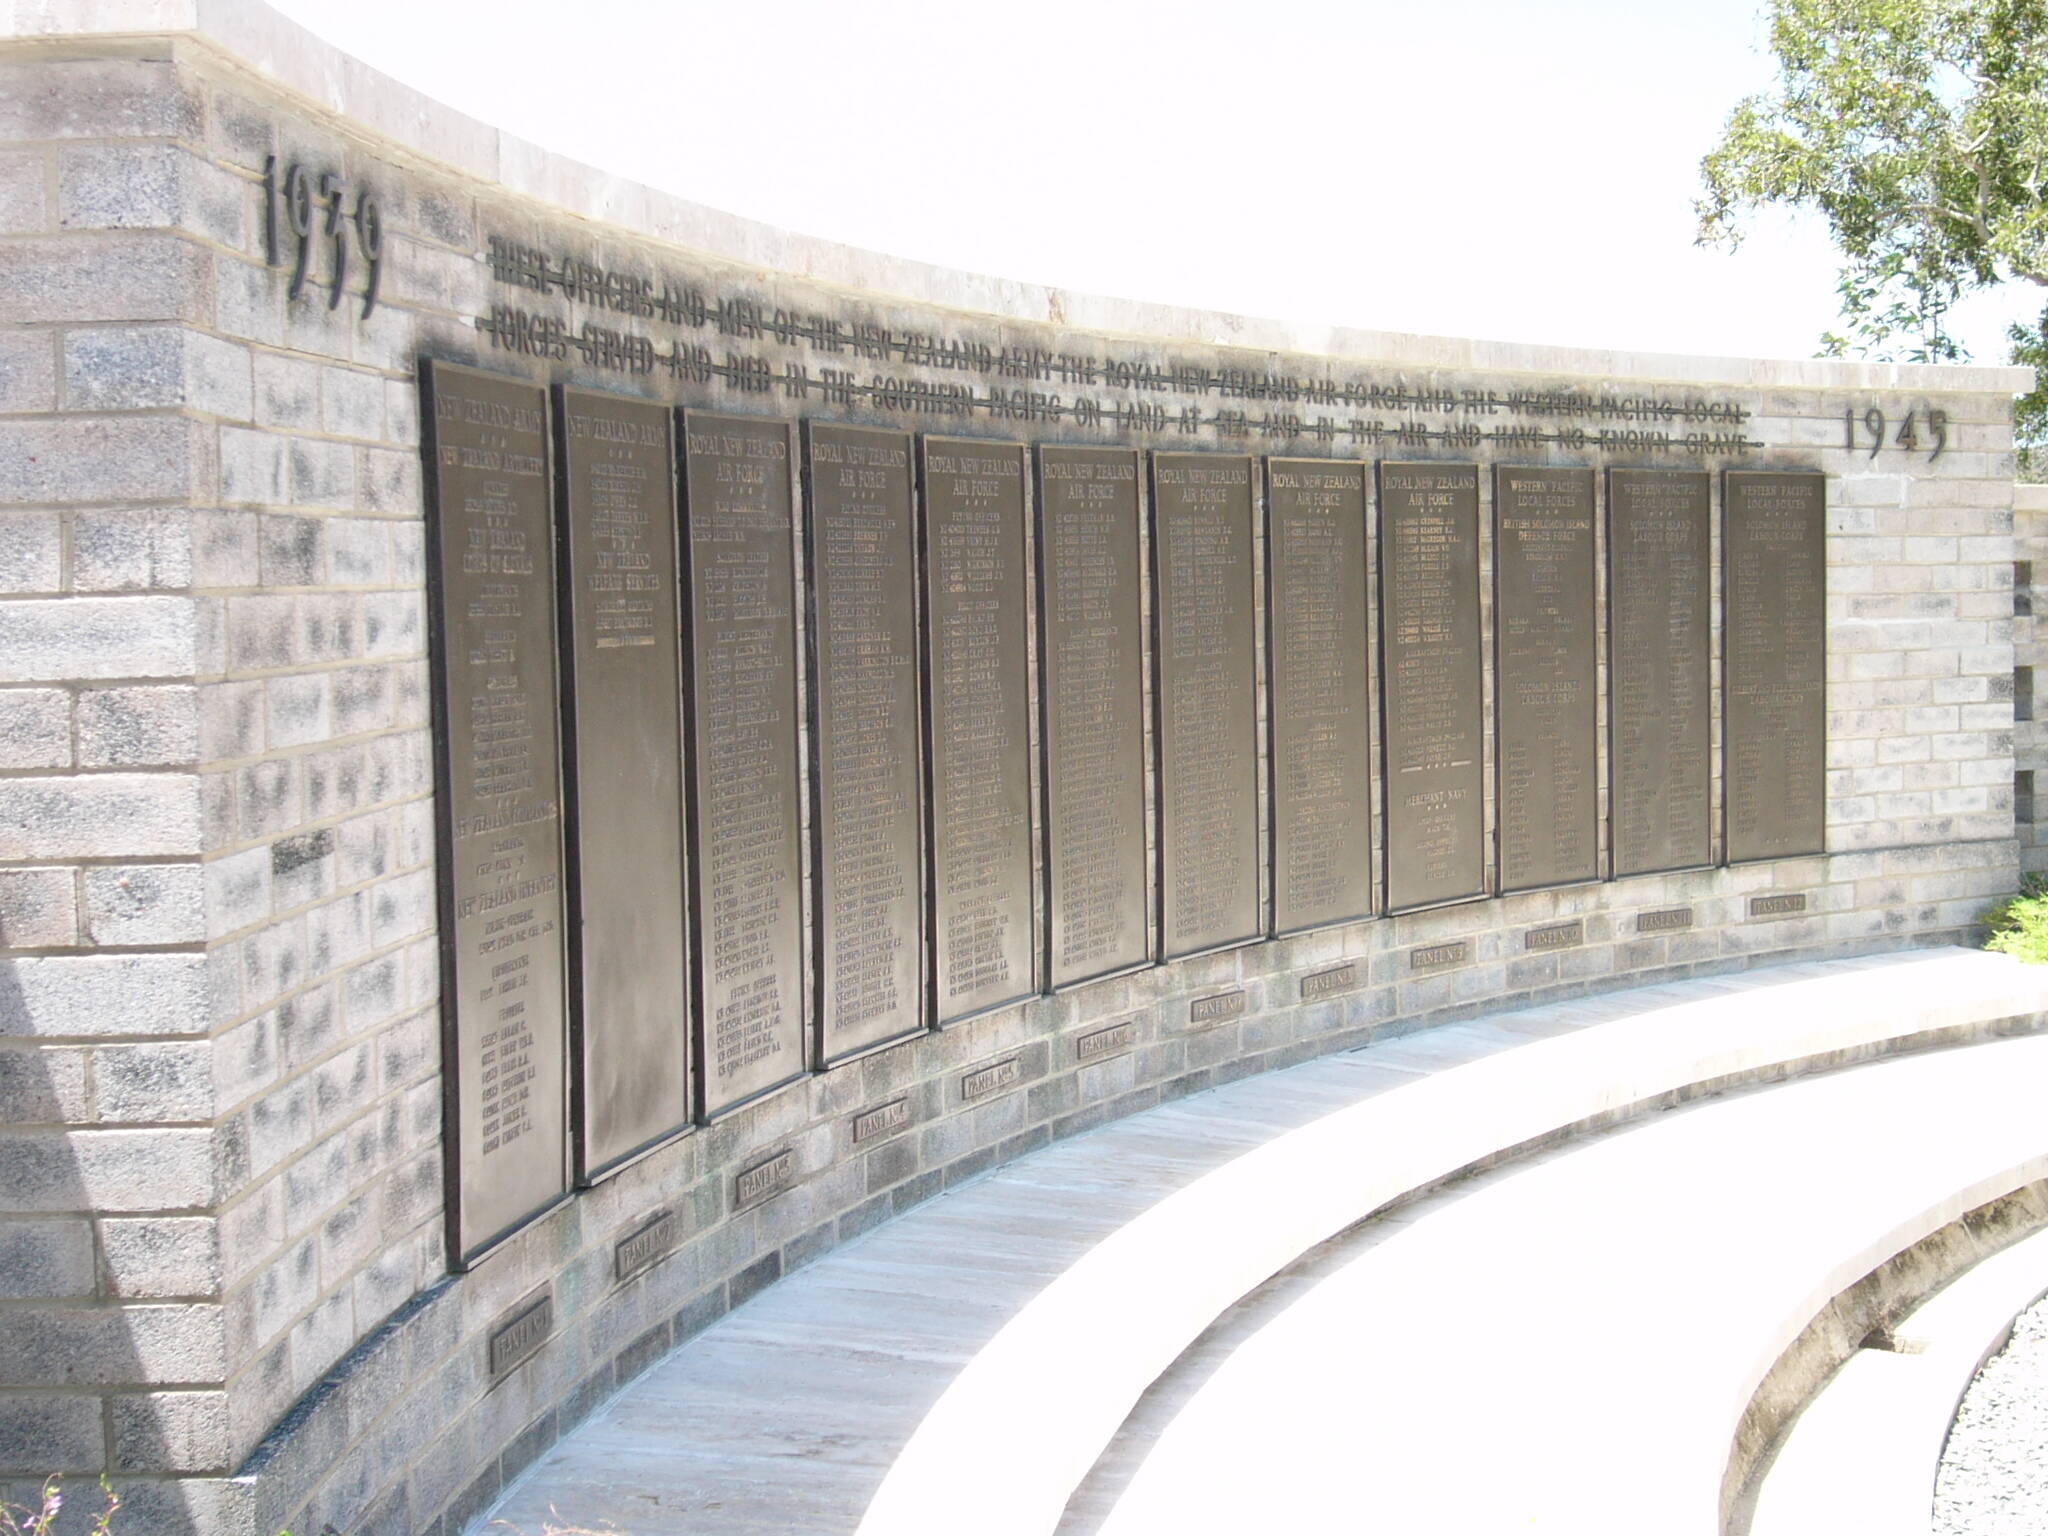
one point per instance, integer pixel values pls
(218, 1049)
(2030, 745)
(222, 1273)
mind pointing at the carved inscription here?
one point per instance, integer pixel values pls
(1659, 731)
(1665, 920)
(764, 1180)
(1776, 906)
(867, 820)
(752, 344)
(744, 753)
(641, 1248)
(1216, 1007)
(983, 943)
(993, 1078)
(1323, 983)
(629, 984)
(498, 756)
(1430, 956)
(1207, 731)
(519, 1338)
(1556, 936)
(1546, 678)
(1775, 675)
(1091, 661)
(1110, 1040)
(1430, 684)
(882, 1120)
(1319, 699)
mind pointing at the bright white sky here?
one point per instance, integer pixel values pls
(1515, 171)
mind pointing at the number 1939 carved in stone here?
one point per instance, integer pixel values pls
(310, 215)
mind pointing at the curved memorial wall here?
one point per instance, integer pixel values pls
(568, 753)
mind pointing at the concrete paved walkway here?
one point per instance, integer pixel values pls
(963, 1367)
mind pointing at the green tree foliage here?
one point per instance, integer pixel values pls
(1919, 130)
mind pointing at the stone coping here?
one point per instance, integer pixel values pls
(899, 1384)
(294, 59)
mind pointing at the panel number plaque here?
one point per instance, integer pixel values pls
(984, 945)
(1774, 561)
(1207, 728)
(1545, 679)
(622, 709)
(1659, 710)
(1430, 698)
(1092, 701)
(490, 550)
(1319, 695)
(743, 753)
(866, 814)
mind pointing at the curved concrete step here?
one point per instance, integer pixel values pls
(1864, 1454)
(964, 1366)
(1570, 1344)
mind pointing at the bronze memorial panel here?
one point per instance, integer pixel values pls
(984, 946)
(629, 992)
(743, 752)
(1545, 678)
(1092, 703)
(497, 750)
(1431, 725)
(1205, 695)
(1774, 572)
(1319, 696)
(867, 815)
(1659, 709)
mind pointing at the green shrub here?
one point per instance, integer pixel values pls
(19, 1520)
(2018, 925)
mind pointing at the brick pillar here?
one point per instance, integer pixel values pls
(219, 1111)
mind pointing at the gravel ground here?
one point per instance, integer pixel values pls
(1994, 1474)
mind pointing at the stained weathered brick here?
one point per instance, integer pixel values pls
(97, 99)
(28, 371)
(31, 552)
(86, 995)
(43, 1084)
(108, 1170)
(75, 639)
(161, 1256)
(323, 474)
(138, 727)
(170, 1432)
(155, 1081)
(42, 1434)
(125, 368)
(287, 391)
(38, 908)
(105, 278)
(46, 1258)
(135, 904)
(24, 203)
(35, 728)
(131, 551)
(149, 186)
(112, 815)
(252, 467)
